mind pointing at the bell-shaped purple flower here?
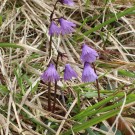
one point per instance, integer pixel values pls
(68, 2)
(51, 74)
(66, 27)
(69, 72)
(54, 29)
(88, 74)
(88, 54)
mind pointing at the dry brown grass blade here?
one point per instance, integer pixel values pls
(31, 115)
(26, 23)
(123, 125)
(66, 116)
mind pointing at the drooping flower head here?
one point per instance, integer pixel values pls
(69, 72)
(66, 26)
(88, 74)
(50, 74)
(88, 54)
(68, 2)
(54, 29)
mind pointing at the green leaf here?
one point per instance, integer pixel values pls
(3, 90)
(97, 108)
(126, 73)
(19, 79)
(87, 3)
(90, 131)
(0, 20)
(118, 132)
(113, 106)
(91, 94)
(91, 108)
(97, 27)
(13, 45)
(92, 122)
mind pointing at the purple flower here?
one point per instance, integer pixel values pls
(50, 75)
(54, 29)
(66, 26)
(68, 2)
(69, 72)
(88, 74)
(88, 54)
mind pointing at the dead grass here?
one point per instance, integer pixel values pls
(25, 22)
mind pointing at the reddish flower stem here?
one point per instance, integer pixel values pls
(50, 46)
(51, 16)
(49, 96)
(97, 83)
(50, 52)
(55, 90)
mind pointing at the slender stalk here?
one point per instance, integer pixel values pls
(50, 46)
(97, 83)
(50, 53)
(51, 18)
(49, 96)
(78, 97)
(49, 83)
(55, 90)
(54, 101)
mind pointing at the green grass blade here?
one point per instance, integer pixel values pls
(0, 19)
(13, 45)
(119, 15)
(92, 122)
(126, 73)
(89, 109)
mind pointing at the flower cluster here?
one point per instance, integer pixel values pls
(66, 27)
(88, 56)
(62, 26)
(51, 74)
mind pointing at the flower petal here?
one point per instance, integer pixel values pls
(50, 75)
(68, 2)
(66, 26)
(69, 72)
(54, 29)
(88, 54)
(88, 74)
